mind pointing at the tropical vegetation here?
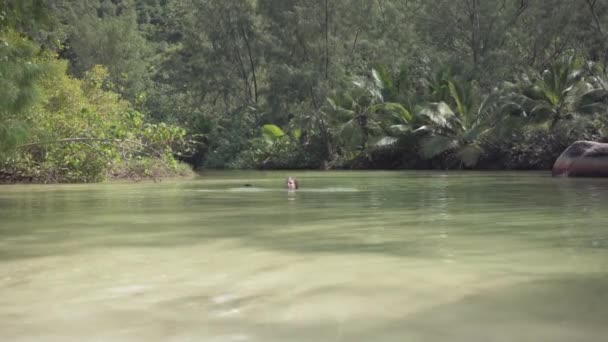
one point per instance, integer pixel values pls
(135, 88)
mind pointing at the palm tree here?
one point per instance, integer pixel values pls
(458, 129)
(593, 90)
(548, 96)
(365, 121)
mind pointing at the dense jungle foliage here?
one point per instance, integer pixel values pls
(125, 88)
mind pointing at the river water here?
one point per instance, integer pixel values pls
(350, 256)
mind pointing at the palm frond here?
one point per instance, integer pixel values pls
(592, 101)
(386, 81)
(439, 114)
(377, 80)
(534, 93)
(399, 129)
(542, 111)
(397, 110)
(461, 110)
(384, 142)
(473, 133)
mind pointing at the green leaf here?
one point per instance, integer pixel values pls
(542, 111)
(439, 114)
(297, 133)
(595, 100)
(534, 93)
(400, 129)
(377, 79)
(272, 132)
(460, 108)
(399, 111)
(385, 141)
(332, 103)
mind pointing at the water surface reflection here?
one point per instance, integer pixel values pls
(383, 256)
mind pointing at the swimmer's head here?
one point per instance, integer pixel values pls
(292, 183)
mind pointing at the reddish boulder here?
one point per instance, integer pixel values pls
(583, 159)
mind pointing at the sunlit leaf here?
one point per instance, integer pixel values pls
(272, 132)
(438, 113)
(385, 141)
(297, 133)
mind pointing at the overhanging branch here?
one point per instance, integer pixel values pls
(115, 142)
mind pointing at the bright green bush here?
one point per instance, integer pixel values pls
(77, 131)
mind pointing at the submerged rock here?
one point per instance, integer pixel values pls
(583, 159)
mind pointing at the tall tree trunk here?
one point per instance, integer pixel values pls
(476, 43)
(352, 50)
(237, 53)
(255, 81)
(326, 140)
(243, 72)
(326, 39)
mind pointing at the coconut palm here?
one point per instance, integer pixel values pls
(549, 96)
(458, 129)
(365, 121)
(593, 92)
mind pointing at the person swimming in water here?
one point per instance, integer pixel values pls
(292, 183)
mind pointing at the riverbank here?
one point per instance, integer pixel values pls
(136, 170)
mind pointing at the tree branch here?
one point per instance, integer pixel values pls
(85, 140)
(326, 39)
(596, 19)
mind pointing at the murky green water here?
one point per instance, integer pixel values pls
(351, 256)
